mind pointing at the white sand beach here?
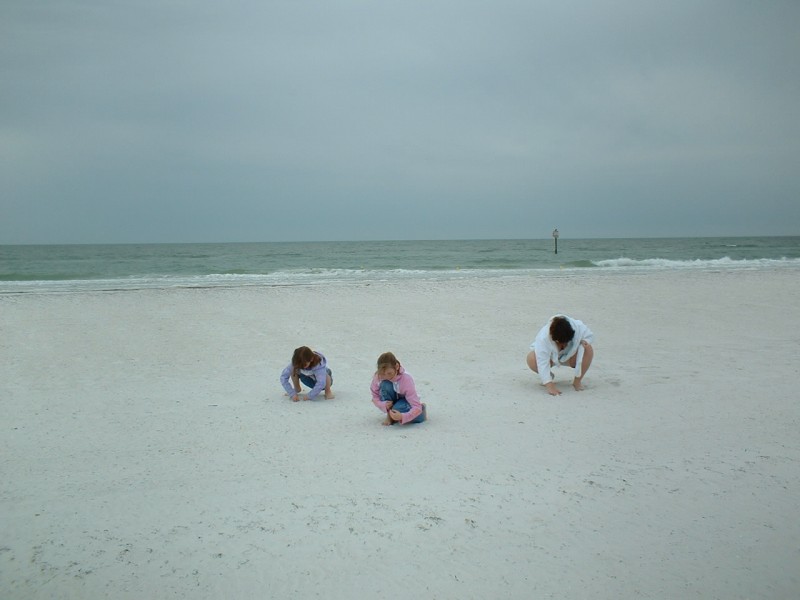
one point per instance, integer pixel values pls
(148, 451)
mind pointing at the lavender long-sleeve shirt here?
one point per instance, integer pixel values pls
(320, 373)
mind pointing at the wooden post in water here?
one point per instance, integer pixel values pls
(555, 239)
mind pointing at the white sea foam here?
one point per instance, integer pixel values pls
(715, 264)
(320, 276)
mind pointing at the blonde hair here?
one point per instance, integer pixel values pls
(386, 360)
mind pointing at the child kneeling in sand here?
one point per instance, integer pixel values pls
(562, 341)
(311, 368)
(393, 392)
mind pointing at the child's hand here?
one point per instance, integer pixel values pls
(396, 416)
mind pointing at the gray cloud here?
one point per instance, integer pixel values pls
(203, 121)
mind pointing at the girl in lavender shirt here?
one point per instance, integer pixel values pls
(310, 368)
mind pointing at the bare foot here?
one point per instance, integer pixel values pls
(329, 395)
(576, 383)
(387, 421)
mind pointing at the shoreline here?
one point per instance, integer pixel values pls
(149, 451)
(369, 277)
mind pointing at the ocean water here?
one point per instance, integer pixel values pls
(54, 268)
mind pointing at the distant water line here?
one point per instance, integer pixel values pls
(135, 266)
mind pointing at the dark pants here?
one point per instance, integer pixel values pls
(311, 381)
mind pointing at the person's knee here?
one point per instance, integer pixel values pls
(387, 390)
(401, 405)
(531, 360)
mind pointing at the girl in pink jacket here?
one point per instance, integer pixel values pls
(393, 392)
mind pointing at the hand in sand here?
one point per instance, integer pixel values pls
(388, 420)
(552, 389)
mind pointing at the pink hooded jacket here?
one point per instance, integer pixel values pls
(404, 386)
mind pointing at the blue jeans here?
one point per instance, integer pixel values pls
(311, 381)
(401, 405)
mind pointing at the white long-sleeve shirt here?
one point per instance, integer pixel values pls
(547, 350)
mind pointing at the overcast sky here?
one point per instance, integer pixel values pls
(210, 121)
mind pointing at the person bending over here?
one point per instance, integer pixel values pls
(562, 341)
(394, 392)
(310, 368)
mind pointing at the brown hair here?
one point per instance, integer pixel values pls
(304, 355)
(387, 359)
(561, 331)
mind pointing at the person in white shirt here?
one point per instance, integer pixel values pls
(562, 341)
